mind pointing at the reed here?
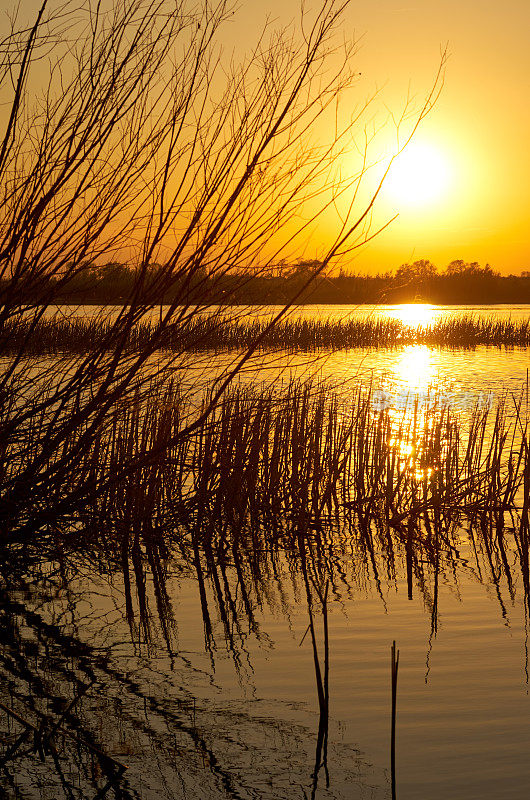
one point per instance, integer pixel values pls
(303, 451)
(394, 666)
(298, 492)
(272, 471)
(74, 334)
(297, 473)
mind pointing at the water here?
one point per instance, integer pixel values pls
(236, 714)
(464, 374)
(184, 722)
(416, 368)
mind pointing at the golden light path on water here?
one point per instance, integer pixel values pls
(417, 376)
(414, 314)
(415, 369)
(413, 408)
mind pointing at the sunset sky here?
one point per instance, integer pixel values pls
(475, 142)
(463, 190)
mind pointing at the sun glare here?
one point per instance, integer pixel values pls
(419, 176)
(414, 314)
(415, 369)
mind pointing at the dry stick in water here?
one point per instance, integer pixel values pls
(394, 663)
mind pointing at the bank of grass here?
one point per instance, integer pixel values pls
(77, 334)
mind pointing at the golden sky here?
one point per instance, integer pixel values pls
(471, 156)
(464, 192)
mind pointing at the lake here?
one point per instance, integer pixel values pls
(463, 373)
(215, 693)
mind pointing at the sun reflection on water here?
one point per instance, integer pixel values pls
(415, 370)
(415, 408)
(415, 314)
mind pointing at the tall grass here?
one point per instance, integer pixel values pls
(304, 451)
(79, 335)
(302, 472)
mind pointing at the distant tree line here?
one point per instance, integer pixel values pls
(421, 281)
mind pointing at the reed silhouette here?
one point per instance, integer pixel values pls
(79, 335)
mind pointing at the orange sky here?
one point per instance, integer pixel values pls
(480, 127)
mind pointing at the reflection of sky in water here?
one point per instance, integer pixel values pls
(414, 368)
(410, 313)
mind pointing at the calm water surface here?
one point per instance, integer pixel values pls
(239, 718)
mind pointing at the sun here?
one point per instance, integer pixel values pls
(420, 175)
